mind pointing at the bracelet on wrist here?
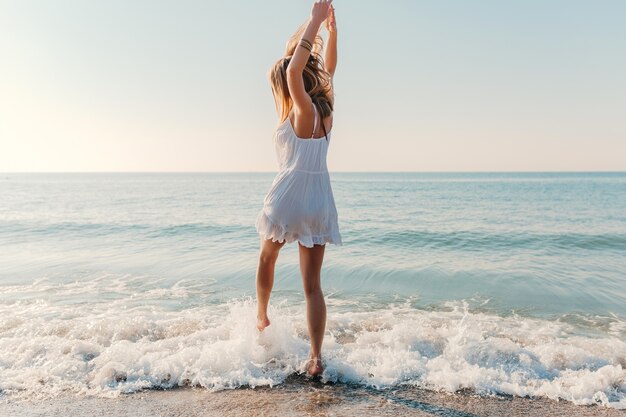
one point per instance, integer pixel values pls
(305, 44)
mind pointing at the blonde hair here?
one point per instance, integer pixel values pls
(317, 81)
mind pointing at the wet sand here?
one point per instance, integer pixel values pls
(299, 397)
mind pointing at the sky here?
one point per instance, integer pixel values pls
(455, 85)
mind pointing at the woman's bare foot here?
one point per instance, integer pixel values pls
(314, 366)
(262, 323)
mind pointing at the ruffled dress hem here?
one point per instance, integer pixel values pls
(279, 233)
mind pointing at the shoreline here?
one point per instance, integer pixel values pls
(299, 396)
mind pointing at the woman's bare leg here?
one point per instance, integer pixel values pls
(268, 254)
(310, 267)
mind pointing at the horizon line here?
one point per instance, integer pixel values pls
(331, 172)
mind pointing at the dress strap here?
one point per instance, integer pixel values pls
(314, 123)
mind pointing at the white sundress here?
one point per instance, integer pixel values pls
(300, 204)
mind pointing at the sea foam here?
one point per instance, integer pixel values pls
(108, 349)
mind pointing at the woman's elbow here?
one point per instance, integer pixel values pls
(293, 70)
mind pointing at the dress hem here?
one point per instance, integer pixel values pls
(269, 229)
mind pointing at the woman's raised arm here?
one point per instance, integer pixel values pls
(295, 82)
(330, 60)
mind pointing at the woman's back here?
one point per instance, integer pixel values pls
(303, 154)
(303, 125)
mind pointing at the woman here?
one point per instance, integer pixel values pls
(300, 205)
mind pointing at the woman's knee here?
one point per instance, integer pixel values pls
(269, 252)
(311, 286)
(268, 258)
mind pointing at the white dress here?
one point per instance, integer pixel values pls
(300, 204)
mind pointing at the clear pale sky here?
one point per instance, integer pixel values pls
(489, 85)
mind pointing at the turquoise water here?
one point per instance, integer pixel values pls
(144, 275)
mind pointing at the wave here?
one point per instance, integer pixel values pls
(479, 241)
(70, 229)
(466, 240)
(111, 348)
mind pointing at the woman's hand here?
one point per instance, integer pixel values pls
(331, 23)
(320, 11)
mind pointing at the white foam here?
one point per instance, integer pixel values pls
(106, 349)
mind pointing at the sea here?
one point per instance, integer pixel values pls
(509, 284)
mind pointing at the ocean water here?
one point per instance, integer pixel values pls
(499, 283)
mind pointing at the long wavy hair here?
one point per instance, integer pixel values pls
(317, 81)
